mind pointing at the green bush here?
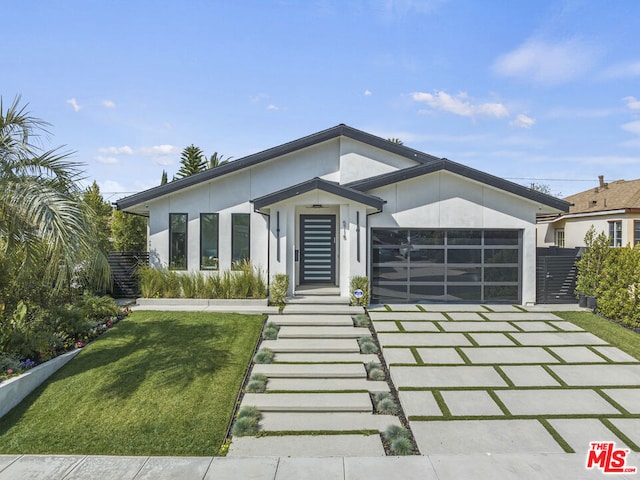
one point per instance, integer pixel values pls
(96, 309)
(270, 331)
(387, 406)
(402, 446)
(278, 288)
(251, 412)
(377, 374)
(257, 383)
(618, 290)
(379, 396)
(264, 355)
(361, 320)
(367, 345)
(393, 432)
(592, 261)
(361, 283)
(245, 426)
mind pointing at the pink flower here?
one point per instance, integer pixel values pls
(79, 344)
(9, 371)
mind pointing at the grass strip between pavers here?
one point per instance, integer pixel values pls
(556, 436)
(618, 433)
(158, 383)
(444, 408)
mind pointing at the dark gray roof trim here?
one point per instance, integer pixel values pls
(471, 173)
(318, 184)
(308, 141)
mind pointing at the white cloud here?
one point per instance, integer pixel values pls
(271, 106)
(459, 104)
(125, 150)
(74, 104)
(632, 102)
(108, 104)
(160, 150)
(523, 121)
(107, 160)
(633, 127)
(623, 70)
(368, 93)
(547, 63)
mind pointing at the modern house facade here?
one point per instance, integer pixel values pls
(612, 208)
(342, 203)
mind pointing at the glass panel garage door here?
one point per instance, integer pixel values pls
(413, 266)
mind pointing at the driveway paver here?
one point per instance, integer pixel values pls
(579, 432)
(504, 355)
(628, 398)
(470, 403)
(419, 403)
(440, 355)
(529, 376)
(594, 375)
(462, 376)
(555, 402)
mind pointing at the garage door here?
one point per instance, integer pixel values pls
(420, 265)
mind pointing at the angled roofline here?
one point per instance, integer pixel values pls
(318, 184)
(271, 153)
(462, 170)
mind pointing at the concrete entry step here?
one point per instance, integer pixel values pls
(304, 299)
(309, 446)
(324, 384)
(289, 422)
(322, 370)
(312, 320)
(325, 358)
(315, 309)
(309, 402)
(323, 332)
(290, 345)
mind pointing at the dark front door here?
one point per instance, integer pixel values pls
(317, 249)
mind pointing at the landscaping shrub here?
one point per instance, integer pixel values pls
(367, 345)
(592, 261)
(379, 396)
(618, 290)
(278, 288)
(376, 374)
(387, 406)
(393, 432)
(402, 446)
(264, 355)
(270, 331)
(361, 283)
(245, 426)
(257, 383)
(251, 412)
(361, 320)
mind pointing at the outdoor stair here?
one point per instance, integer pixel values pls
(312, 320)
(322, 332)
(315, 309)
(309, 421)
(325, 384)
(306, 345)
(301, 370)
(318, 300)
(315, 402)
(352, 357)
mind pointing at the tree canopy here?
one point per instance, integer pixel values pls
(192, 161)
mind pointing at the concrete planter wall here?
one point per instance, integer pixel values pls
(202, 302)
(14, 390)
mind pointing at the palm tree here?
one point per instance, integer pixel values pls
(42, 218)
(216, 160)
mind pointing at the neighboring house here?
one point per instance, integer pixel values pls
(612, 208)
(342, 203)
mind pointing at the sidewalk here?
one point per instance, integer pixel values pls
(433, 467)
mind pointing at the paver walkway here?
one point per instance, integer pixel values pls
(317, 383)
(502, 380)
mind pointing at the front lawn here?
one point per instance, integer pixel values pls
(611, 332)
(159, 383)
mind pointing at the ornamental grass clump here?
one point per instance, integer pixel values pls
(270, 331)
(387, 406)
(245, 426)
(393, 432)
(376, 374)
(264, 355)
(257, 383)
(402, 446)
(361, 320)
(367, 345)
(278, 288)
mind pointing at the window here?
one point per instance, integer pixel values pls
(178, 241)
(560, 237)
(636, 232)
(208, 241)
(240, 234)
(615, 233)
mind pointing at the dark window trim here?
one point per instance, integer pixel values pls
(233, 217)
(186, 242)
(217, 215)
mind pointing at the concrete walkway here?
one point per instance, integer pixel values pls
(431, 467)
(318, 382)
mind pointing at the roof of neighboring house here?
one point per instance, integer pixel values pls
(618, 195)
(318, 184)
(427, 164)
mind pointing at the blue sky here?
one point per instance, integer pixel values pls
(533, 91)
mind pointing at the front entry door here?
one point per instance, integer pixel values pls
(318, 249)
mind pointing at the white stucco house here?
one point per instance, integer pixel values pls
(341, 203)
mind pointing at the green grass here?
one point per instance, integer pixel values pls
(613, 333)
(159, 383)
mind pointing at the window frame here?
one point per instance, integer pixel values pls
(559, 237)
(217, 242)
(636, 232)
(186, 242)
(234, 263)
(615, 233)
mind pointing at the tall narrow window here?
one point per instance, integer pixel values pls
(615, 233)
(240, 237)
(178, 241)
(208, 241)
(560, 237)
(636, 232)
